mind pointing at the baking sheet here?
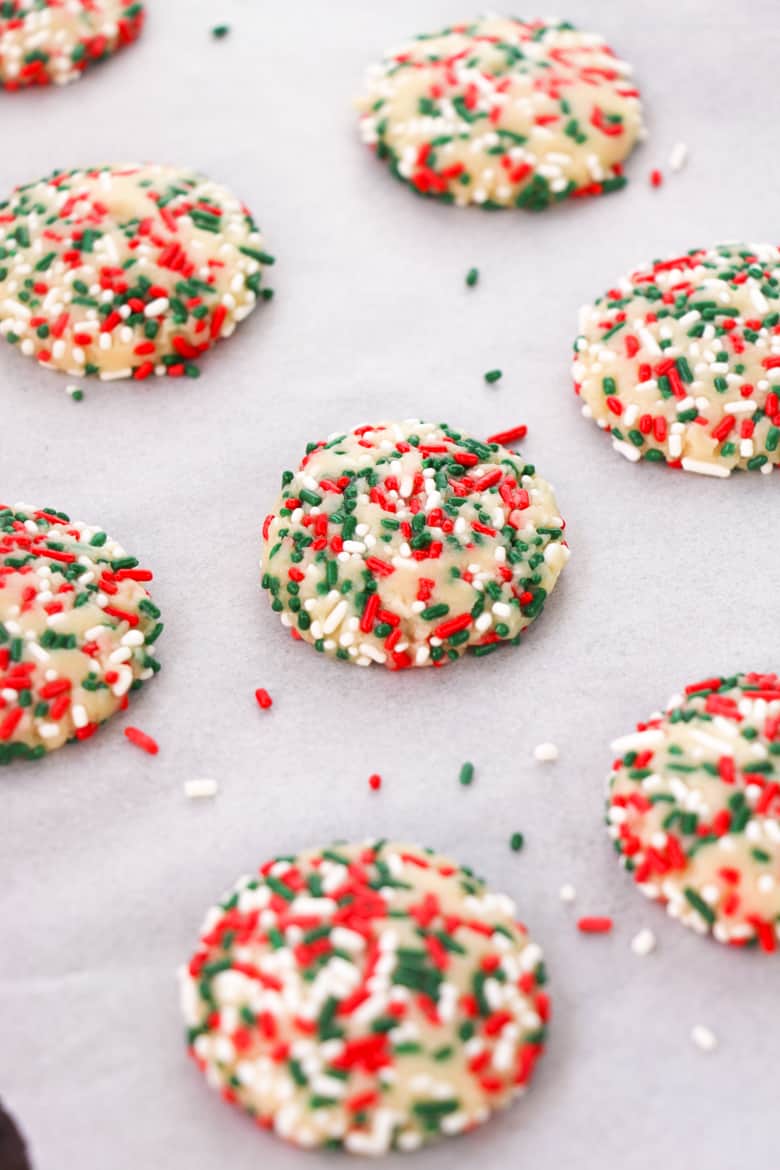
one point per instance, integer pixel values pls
(106, 868)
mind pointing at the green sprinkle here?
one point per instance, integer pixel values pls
(698, 903)
(493, 376)
(466, 774)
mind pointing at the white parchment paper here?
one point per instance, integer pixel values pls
(106, 868)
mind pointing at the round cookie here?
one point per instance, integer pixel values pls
(680, 361)
(45, 42)
(407, 543)
(694, 808)
(126, 271)
(503, 113)
(365, 997)
(76, 628)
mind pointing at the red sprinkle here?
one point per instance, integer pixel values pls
(375, 781)
(595, 925)
(264, 700)
(656, 178)
(510, 436)
(142, 740)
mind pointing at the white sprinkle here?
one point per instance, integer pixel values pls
(79, 716)
(545, 752)
(703, 1038)
(567, 893)
(679, 156)
(638, 741)
(200, 789)
(649, 343)
(157, 307)
(702, 467)
(627, 450)
(643, 943)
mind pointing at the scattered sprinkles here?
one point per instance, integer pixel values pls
(546, 753)
(513, 435)
(694, 808)
(126, 271)
(45, 42)
(264, 700)
(643, 943)
(75, 392)
(142, 740)
(466, 775)
(365, 997)
(678, 157)
(704, 1038)
(77, 626)
(405, 544)
(503, 113)
(594, 924)
(680, 361)
(472, 277)
(200, 789)
(493, 376)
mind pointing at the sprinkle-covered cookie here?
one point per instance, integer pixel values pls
(126, 271)
(680, 361)
(694, 808)
(503, 113)
(365, 997)
(45, 42)
(76, 630)
(407, 543)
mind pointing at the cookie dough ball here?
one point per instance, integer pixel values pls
(126, 271)
(680, 361)
(694, 808)
(407, 543)
(366, 997)
(76, 630)
(54, 41)
(503, 113)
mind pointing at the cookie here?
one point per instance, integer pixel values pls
(694, 808)
(680, 361)
(408, 543)
(44, 42)
(126, 271)
(365, 997)
(76, 630)
(503, 113)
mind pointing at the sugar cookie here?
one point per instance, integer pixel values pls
(365, 997)
(45, 42)
(126, 271)
(407, 543)
(503, 113)
(76, 628)
(694, 808)
(680, 361)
